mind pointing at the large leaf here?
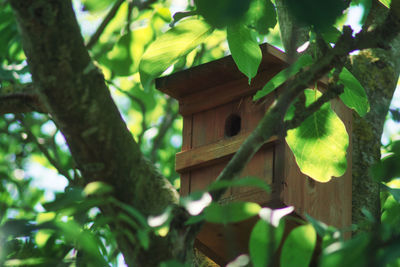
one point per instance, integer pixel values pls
(261, 15)
(320, 14)
(354, 95)
(264, 241)
(166, 49)
(319, 144)
(244, 48)
(281, 77)
(299, 246)
(231, 212)
(222, 12)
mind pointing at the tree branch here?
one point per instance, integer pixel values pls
(302, 114)
(165, 124)
(110, 15)
(44, 150)
(22, 100)
(141, 105)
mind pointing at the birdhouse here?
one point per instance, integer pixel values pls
(215, 101)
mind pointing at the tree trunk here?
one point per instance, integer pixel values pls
(75, 95)
(378, 71)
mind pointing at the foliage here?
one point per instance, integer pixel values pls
(136, 46)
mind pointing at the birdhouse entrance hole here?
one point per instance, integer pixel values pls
(232, 125)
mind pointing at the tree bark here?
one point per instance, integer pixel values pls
(73, 91)
(378, 71)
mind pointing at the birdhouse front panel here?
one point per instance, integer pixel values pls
(218, 112)
(215, 135)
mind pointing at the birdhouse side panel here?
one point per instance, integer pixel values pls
(329, 202)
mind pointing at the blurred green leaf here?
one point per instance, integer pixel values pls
(283, 76)
(331, 34)
(27, 262)
(95, 5)
(351, 253)
(222, 13)
(299, 247)
(173, 263)
(17, 227)
(261, 15)
(97, 188)
(354, 95)
(320, 143)
(83, 239)
(244, 48)
(166, 49)
(386, 3)
(119, 59)
(316, 13)
(395, 192)
(231, 212)
(387, 169)
(264, 241)
(70, 197)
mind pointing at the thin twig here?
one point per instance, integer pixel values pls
(110, 15)
(43, 149)
(142, 107)
(165, 124)
(302, 114)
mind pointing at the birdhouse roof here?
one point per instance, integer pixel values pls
(216, 73)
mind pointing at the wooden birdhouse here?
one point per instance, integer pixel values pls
(218, 112)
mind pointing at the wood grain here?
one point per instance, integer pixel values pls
(207, 155)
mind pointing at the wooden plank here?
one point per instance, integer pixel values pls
(225, 93)
(214, 73)
(209, 125)
(260, 166)
(208, 154)
(187, 132)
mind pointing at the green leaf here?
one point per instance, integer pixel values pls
(244, 48)
(66, 199)
(166, 49)
(386, 3)
(299, 247)
(320, 143)
(119, 59)
(95, 5)
(386, 169)
(246, 181)
(331, 34)
(354, 95)
(173, 263)
(320, 227)
(264, 241)
(261, 15)
(283, 76)
(97, 188)
(351, 253)
(222, 13)
(231, 212)
(319, 14)
(395, 192)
